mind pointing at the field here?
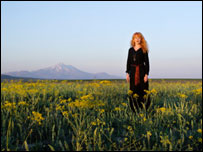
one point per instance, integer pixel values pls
(95, 115)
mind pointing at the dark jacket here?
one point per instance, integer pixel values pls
(137, 57)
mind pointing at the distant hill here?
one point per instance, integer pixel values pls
(61, 71)
(8, 77)
(4, 76)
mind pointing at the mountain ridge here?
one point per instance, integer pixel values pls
(61, 71)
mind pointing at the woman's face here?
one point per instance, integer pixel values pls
(137, 40)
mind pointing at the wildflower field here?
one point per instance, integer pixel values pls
(95, 115)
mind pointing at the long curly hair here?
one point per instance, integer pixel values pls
(143, 42)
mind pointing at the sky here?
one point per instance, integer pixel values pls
(94, 36)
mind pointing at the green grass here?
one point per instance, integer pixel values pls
(91, 115)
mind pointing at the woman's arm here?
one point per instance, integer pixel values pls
(128, 63)
(146, 61)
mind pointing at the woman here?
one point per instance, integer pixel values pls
(138, 71)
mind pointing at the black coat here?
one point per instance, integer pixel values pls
(138, 57)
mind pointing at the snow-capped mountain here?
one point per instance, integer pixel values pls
(61, 71)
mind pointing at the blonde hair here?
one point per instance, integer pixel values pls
(143, 42)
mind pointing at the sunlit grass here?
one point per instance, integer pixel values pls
(95, 115)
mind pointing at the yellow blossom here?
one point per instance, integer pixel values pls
(101, 110)
(87, 97)
(130, 128)
(9, 105)
(94, 123)
(23, 103)
(153, 91)
(190, 137)
(105, 82)
(147, 91)
(199, 130)
(103, 123)
(59, 108)
(164, 140)
(36, 116)
(63, 101)
(182, 95)
(149, 133)
(117, 109)
(125, 139)
(69, 99)
(135, 95)
(130, 92)
(124, 104)
(162, 109)
(98, 122)
(197, 91)
(65, 113)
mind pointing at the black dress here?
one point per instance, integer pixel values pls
(137, 67)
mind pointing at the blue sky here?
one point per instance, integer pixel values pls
(95, 36)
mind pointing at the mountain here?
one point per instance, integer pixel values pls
(61, 71)
(8, 77)
(4, 76)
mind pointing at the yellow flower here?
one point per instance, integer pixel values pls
(141, 115)
(145, 96)
(149, 133)
(36, 117)
(58, 107)
(135, 95)
(105, 82)
(124, 104)
(117, 109)
(164, 140)
(23, 103)
(94, 123)
(4, 89)
(162, 109)
(187, 128)
(65, 113)
(125, 139)
(69, 99)
(182, 95)
(130, 92)
(190, 137)
(87, 97)
(144, 119)
(153, 91)
(9, 105)
(129, 128)
(197, 91)
(101, 110)
(75, 115)
(103, 123)
(147, 91)
(63, 101)
(98, 122)
(200, 140)
(199, 130)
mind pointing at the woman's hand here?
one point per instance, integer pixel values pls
(145, 78)
(127, 78)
